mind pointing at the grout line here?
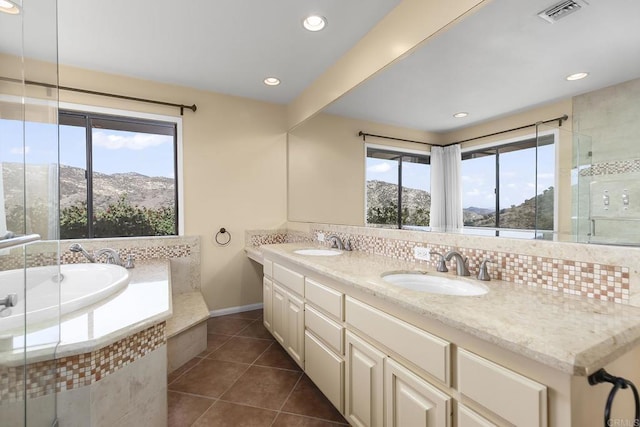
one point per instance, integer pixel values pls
(204, 412)
(180, 376)
(338, 423)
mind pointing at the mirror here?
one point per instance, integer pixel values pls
(506, 67)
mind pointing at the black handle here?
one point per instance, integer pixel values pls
(602, 376)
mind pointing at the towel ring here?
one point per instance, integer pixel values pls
(220, 233)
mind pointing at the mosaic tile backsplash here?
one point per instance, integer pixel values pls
(79, 370)
(586, 279)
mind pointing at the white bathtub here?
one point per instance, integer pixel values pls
(81, 286)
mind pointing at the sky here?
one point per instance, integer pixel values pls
(113, 151)
(517, 176)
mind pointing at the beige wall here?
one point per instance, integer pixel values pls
(326, 162)
(234, 171)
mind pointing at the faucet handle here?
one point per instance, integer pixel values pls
(442, 263)
(129, 263)
(483, 274)
(347, 245)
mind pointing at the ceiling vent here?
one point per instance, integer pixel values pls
(561, 10)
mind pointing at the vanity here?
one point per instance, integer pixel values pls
(387, 355)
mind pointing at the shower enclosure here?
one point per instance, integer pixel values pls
(28, 207)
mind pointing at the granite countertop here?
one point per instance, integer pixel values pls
(145, 302)
(572, 334)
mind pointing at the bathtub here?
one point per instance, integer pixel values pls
(74, 285)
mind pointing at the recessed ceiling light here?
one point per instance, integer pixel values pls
(272, 81)
(577, 76)
(460, 115)
(10, 7)
(314, 23)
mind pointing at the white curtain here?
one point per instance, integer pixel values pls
(446, 188)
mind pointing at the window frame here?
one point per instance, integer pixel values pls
(132, 116)
(555, 134)
(400, 151)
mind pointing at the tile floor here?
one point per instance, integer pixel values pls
(245, 378)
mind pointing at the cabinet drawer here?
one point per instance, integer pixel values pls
(515, 398)
(326, 329)
(469, 418)
(267, 267)
(426, 351)
(289, 278)
(325, 369)
(327, 299)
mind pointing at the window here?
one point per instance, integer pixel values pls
(117, 176)
(397, 188)
(510, 186)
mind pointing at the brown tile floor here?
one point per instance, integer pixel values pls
(245, 378)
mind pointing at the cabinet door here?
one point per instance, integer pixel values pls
(364, 383)
(411, 401)
(325, 368)
(294, 341)
(279, 313)
(267, 300)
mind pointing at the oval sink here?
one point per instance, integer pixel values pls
(425, 282)
(318, 252)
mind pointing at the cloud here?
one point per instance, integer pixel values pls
(138, 141)
(474, 192)
(379, 168)
(20, 150)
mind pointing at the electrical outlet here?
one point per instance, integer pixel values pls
(421, 253)
(320, 237)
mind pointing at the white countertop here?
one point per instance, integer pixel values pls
(571, 334)
(145, 302)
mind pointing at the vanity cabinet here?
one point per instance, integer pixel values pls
(412, 401)
(378, 386)
(267, 298)
(364, 383)
(381, 371)
(324, 340)
(286, 309)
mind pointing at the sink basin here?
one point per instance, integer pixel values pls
(318, 252)
(425, 282)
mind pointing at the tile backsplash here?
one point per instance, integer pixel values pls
(575, 269)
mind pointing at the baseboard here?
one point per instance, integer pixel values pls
(233, 310)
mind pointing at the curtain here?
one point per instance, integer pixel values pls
(446, 188)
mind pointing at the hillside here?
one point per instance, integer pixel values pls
(141, 190)
(522, 216)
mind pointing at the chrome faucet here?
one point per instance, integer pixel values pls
(77, 247)
(461, 263)
(335, 241)
(112, 256)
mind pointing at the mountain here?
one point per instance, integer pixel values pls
(381, 194)
(141, 190)
(522, 216)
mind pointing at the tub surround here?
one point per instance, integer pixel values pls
(105, 322)
(545, 326)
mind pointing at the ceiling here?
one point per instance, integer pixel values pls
(225, 46)
(500, 60)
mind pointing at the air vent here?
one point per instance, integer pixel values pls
(561, 10)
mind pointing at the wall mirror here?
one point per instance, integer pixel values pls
(507, 65)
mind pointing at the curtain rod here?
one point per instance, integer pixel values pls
(109, 95)
(557, 119)
(365, 135)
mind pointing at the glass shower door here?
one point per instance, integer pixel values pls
(28, 206)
